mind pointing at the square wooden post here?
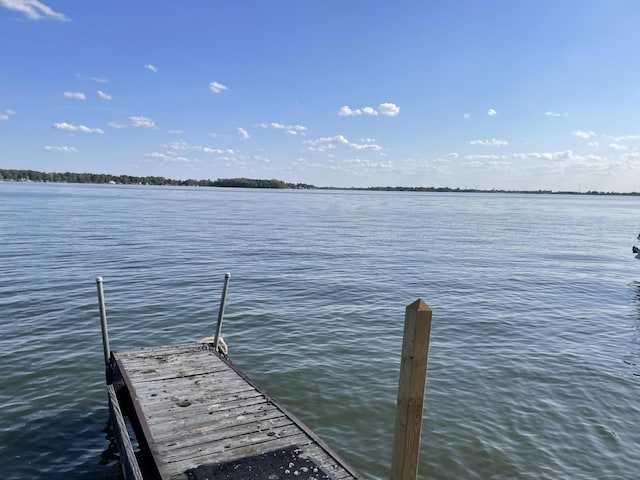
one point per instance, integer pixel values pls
(411, 388)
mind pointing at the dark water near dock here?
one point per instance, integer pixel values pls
(535, 348)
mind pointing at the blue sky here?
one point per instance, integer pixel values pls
(491, 94)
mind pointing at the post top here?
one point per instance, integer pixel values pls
(98, 279)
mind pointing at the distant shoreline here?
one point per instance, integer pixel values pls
(12, 175)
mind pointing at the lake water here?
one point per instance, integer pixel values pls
(535, 345)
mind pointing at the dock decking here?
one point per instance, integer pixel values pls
(197, 416)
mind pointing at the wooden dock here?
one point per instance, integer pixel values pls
(196, 416)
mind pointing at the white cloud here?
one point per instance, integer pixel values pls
(176, 132)
(152, 68)
(171, 157)
(467, 115)
(4, 117)
(593, 144)
(290, 129)
(185, 147)
(75, 95)
(243, 133)
(33, 9)
(346, 111)
(76, 128)
(103, 95)
(583, 134)
(482, 157)
(60, 149)
(490, 142)
(564, 155)
(144, 122)
(625, 138)
(117, 125)
(366, 146)
(363, 162)
(323, 144)
(617, 146)
(451, 155)
(389, 109)
(8, 111)
(491, 112)
(216, 87)
(631, 156)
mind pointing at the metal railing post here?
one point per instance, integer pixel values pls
(223, 301)
(103, 325)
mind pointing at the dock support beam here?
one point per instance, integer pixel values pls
(105, 330)
(411, 387)
(223, 301)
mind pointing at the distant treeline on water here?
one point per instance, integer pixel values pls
(68, 177)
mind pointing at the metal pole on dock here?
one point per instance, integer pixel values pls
(411, 387)
(103, 324)
(223, 301)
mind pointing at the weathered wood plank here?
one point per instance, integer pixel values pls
(223, 419)
(196, 408)
(252, 446)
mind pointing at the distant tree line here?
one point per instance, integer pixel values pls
(69, 177)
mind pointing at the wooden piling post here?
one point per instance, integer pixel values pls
(411, 388)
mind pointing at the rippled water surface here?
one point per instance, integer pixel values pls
(535, 343)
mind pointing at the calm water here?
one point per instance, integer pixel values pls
(534, 361)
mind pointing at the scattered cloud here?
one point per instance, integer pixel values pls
(33, 9)
(389, 109)
(490, 142)
(483, 157)
(76, 128)
(347, 111)
(151, 67)
(117, 125)
(451, 155)
(75, 95)
(290, 129)
(7, 113)
(617, 146)
(49, 148)
(563, 155)
(625, 138)
(583, 134)
(243, 133)
(176, 132)
(467, 115)
(491, 112)
(216, 87)
(323, 144)
(593, 144)
(143, 122)
(365, 163)
(171, 157)
(185, 147)
(95, 79)
(103, 95)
